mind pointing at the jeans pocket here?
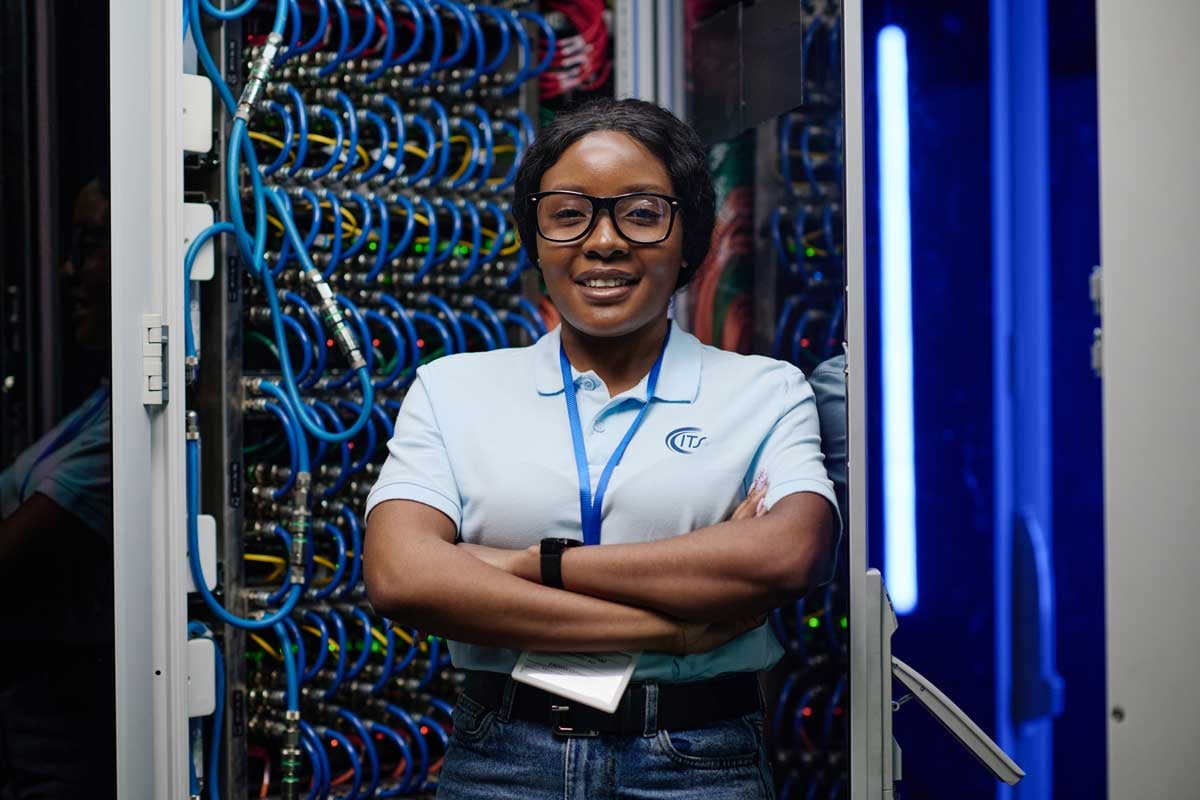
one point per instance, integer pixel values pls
(733, 742)
(472, 720)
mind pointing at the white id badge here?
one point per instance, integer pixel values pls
(594, 679)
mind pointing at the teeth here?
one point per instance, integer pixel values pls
(606, 283)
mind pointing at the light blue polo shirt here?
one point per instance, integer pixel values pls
(484, 438)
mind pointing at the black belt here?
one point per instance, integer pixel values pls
(680, 706)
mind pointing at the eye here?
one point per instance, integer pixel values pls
(568, 214)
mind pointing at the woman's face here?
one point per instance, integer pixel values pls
(606, 163)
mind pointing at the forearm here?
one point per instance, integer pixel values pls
(429, 583)
(724, 571)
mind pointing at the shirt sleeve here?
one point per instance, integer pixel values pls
(790, 456)
(418, 466)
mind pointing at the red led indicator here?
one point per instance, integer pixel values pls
(334, 743)
(421, 343)
(804, 342)
(837, 711)
(424, 730)
(807, 711)
(375, 342)
(329, 342)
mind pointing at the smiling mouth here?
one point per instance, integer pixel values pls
(607, 283)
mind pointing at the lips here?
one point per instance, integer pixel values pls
(606, 285)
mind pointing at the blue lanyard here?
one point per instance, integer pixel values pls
(589, 508)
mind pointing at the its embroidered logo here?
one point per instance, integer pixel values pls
(686, 440)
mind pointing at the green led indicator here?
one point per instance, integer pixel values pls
(372, 246)
(489, 243)
(333, 647)
(809, 252)
(461, 250)
(421, 247)
(813, 622)
(375, 648)
(845, 622)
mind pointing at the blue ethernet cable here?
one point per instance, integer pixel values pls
(532, 313)
(299, 410)
(227, 13)
(414, 732)
(505, 37)
(365, 224)
(414, 349)
(297, 47)
(401, 348)
(335, 235)
(524, 56)
(189, 260)
(369, 449)
(410, 227)
(320, 760)
(365, 654)
(473, 160)
(549, 40)
(339, 544)
(285, 119)
(317, 337)
(389, 660)
(806, 159)
(301, 109)
(339, 632)
(389, 44)
(781, 709)
(444, 249)
(351, 754)
(440, 734)
(488, 144)
(476, 256)
(356, 545)
(292, 693)
(785, 156)
(418, 35)
(435, 52)
(350, 115)
(335, 150)
(518, 140)
(513, 318)
(306, 346)
(343, 450)
(285, 247)
(285, 584)
(526, 126)
(368, 30)
(381, 127)
(515, 276)
(501, 229)
(383, 217)
(464, 37)
(436, 324)
(322, 650)
(193, 538)
(489, 314)
(339, 8)
(781, 253)
(306, 744)
(489, 341)
(386, 732)
(476, 35)
(798, 336)
(834, 700)
(790, 306)
(431, 149)
(293, 449)
(798, 721)
(368, 748)
(460, 336)
(443, 137)
(401, 138)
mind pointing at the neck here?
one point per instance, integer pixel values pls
(620, 361)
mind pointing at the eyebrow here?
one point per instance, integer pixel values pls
(629, 189)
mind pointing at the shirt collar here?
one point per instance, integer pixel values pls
(678, 382)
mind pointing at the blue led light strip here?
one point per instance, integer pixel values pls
(899, 473)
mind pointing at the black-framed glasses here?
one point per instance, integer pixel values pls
(640, 217)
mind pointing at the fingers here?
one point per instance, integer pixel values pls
(755, 503)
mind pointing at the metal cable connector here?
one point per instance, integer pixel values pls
(299, 526)
(339, 329)
(289, 757)
(260, 74)
(192, 426)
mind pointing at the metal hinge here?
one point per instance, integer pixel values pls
(154, 360)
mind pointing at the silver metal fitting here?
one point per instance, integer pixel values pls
(260, 74)
(192, 426)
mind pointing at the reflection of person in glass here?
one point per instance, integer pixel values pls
(56, 676)
(511, 452)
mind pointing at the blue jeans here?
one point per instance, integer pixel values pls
(494, 757)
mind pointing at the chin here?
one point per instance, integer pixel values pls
(610, 325)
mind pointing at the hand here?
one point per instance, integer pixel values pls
(524, 563)
(700, 637)
(753, 505)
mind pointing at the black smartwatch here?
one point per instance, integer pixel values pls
(552, 550)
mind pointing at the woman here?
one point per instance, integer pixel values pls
(482, 486)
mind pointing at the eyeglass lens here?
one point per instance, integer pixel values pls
(640, 218)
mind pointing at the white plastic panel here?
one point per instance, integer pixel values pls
(202, 677)
(206, 529)
(197, 114)
(197, 217)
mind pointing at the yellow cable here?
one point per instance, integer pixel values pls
(332, 644)
(264, 559)
(271, 651)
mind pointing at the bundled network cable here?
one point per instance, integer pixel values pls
(807, 719)
(582, 57)
(371, 147)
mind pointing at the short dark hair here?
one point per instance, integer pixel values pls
(659, 131)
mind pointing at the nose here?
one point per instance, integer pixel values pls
(604, 241)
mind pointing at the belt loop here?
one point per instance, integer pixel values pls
(651, 726)
(506, 700)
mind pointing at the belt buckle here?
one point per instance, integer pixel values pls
(558, 719)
